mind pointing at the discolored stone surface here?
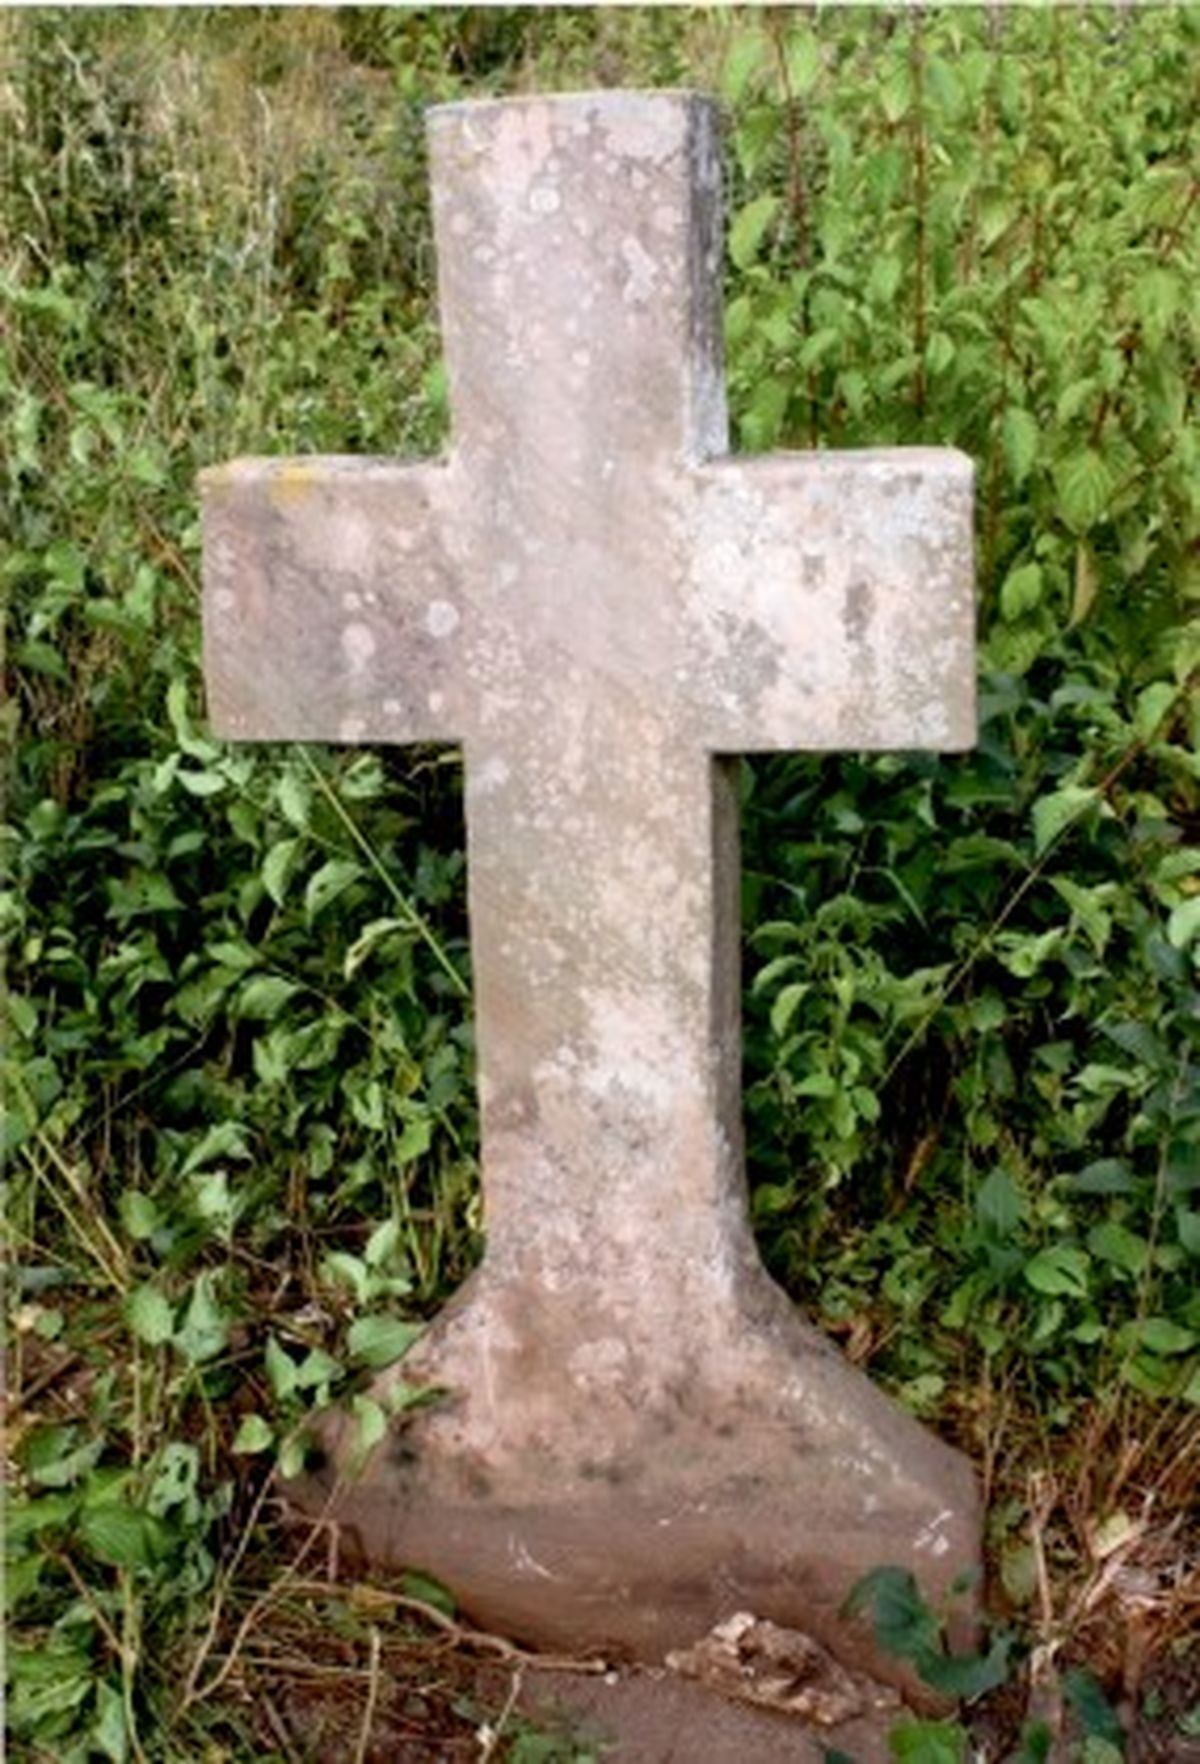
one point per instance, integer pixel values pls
(648, 1717)
(638, 1435)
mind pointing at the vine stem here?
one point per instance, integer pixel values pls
(412, 917)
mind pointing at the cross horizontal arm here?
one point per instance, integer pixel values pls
(833, 603)
(331, 603)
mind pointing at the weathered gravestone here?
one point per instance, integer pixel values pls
(638, 1435)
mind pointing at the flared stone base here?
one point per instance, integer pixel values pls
(592, 1491)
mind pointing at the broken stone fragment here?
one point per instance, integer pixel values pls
(776, 1668)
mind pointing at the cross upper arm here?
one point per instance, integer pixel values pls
(833, 603)
(329, 596)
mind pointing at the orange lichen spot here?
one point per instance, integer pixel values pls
(292, 481)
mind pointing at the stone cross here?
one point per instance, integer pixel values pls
(637, 1435)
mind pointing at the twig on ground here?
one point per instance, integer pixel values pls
(218, 1600)
(490, 1736)
(279, 1728)
(368, 1720)
(197, 1693)
(458, 1632)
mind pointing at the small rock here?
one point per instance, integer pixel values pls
(761, 1662)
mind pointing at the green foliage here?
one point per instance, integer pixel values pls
(240, 1125)
(907, 1629)
(972, 981)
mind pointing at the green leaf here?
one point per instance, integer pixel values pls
(1182, 1170)
(340, 1267)
(316, 1369)
(1021, 592)
(429, 1591)
(785, 1005)
(945, 86)
(1159, 1335)
(1101, 1751)
(1187, 1226)
(1183, 926)
(803, 59)
(414, 1142)
(763, 421)
(745, 56)
(205, 1328)
(883, 280)
(1087, 583)
(1153, 703)
(1106, 1176)
(124, 1536)
(895, 92)
(30, 1519)
(56, 1457)
(1073, 398)
(379, 1341)
(293, 1454)
(1061, 1270)
(277, 867)
(1024, 956)
(1088, 910)
(1119, 1246)
(295, 799)
(1036, 1745)
(1099, 1079)
(1054, 813)
(968, 1676)
(207, 783)
(997, 212)
(905, 1627)
(264, 997)
(329, 881)
(22, 1576)
(749, 229)
(139, 1215)
(368, 939)
(254, 1434)
(1019, 1572)
(928, 1742)
(1157, 297)
(939, 353)
(224, 1139)
(176, 1478)
(819, 344)
(1139, 1041)
(1091, 1706)
(280, 1368)
(383, 1244)
(999, 1206)
(109, 1732)
(1084, 488)
(211, 1198)
(372, 1425)
(150, 1315)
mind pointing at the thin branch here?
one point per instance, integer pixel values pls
(368, 1720)
(458, 1632)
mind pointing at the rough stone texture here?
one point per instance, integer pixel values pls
(639, 1435)
(647, 1717)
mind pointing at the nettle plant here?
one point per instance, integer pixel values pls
(972, 981)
